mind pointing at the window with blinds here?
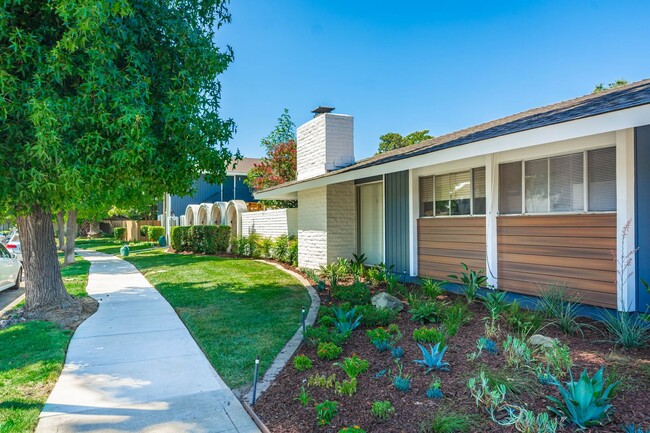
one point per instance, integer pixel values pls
(602, 179)
(453, 193)
(557, 184)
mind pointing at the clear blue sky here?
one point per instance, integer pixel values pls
(411, 65)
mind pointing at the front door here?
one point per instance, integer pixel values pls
(371, 222)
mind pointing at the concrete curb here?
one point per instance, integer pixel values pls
(15, 302)
(290, 348)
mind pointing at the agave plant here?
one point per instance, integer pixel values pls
(585, 402)
(433, 358)
(346, 322)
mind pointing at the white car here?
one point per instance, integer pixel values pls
(11, 270)
(12, 243)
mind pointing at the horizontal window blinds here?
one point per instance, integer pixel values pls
(567, 183)
(602, 179)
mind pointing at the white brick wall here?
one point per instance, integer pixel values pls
(312, 228)
(270, 223)
(341, 221)
(324, 143)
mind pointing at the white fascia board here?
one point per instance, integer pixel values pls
(608, 122)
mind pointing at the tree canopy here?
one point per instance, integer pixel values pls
(104, 103)
(602, 87)
(280, 163)
(393, 140)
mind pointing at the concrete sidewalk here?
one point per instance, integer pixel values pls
(134, 367)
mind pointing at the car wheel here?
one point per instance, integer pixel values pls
(19, 278)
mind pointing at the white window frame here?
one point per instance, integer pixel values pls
(471, 187)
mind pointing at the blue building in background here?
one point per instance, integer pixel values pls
(233, 188)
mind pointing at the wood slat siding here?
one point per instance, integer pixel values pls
(445, 242)
(571, 249)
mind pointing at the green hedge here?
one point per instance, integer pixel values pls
(144, 231)
(200, 239)
(154, 232)
(283, 248)
(119, 233)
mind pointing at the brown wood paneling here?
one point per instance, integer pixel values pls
(443, 243)
(575, 250)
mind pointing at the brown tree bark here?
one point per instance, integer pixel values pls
(44, 289)
(70, 233)
(60, 226)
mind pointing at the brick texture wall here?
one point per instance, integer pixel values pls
(312, 228)
(324, 143)
(341, 221)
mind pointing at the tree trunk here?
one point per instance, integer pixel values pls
(60, 226)
(44, 289)
(70, 233)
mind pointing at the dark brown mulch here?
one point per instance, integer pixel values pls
(281, 412)
(69, 317)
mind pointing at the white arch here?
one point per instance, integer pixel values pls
(191, 214)
(205, 215)
(219, 213)
(233, 215)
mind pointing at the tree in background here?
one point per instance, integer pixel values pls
(104, 103)
(601, 87)
(280, 163)
(393, 140)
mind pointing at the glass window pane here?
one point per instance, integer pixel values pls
(567, 183)
(601, 172)
(460, 193)
(478, 184)
(537, 186)
(443, 186)
(510, 188)
(426, 196)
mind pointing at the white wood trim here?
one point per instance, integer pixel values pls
(491, 212)
(626, 281)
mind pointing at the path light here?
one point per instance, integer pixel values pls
(304, 327)
(257, 368)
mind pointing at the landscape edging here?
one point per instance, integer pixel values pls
(290, 348)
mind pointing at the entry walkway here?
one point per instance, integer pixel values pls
(134, 367)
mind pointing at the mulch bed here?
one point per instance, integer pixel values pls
(281, 412)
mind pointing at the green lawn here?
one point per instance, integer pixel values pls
(110, 245)
(31, 360)
(235, 308)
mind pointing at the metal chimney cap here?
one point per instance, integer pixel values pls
(322, 110)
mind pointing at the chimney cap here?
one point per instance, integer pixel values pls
(322, 110)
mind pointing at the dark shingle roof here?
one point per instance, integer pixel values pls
(628, 96)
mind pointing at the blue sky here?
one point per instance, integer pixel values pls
(412, 65)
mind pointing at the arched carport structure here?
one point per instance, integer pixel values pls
(219, 213)
(234, 211)
(205, 215)
(191, 214)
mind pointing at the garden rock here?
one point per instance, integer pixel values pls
(542, 340)
(386, 300)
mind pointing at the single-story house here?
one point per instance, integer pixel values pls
(538, 197)
(232, 188)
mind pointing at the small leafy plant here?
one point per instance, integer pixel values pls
(303, 397)
(382, 409)
(432, 288)
(326, 411)
(353, 429)
(329, 351)
(487, 397)
(432, 358)
(516, 351)
(425, 312)
(321, 381)
(484, 343)
(471, 281)
(347, 387)
(302, 363)
(429, 335)
(346, 321)
(384, 338)
(357, 293)
(353, 366)
(434, 390)
(373, 316)
(521, 321)
(455, 316)
(525, 420)
(357, 265)
(495, 303)
(558, 359)
(332, 272)
(320, 334)
(586, 401)
(401, 381)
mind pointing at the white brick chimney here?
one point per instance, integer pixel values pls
(325, 143)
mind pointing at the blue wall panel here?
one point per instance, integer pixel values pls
(642, 211)
(209, 193)
(396, 203)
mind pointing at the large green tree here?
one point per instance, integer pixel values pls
(394, 140)
(602, 87)
(103, 103)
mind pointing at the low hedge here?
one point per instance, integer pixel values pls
(154, 232)
(200, 239)
(144, 231)
(119, 233)
(283, 248)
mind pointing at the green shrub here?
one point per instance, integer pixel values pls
(119, 233)
(382, 409)
(346, 387)
(280, 250)
(326, 411)
(200, 239)
(316, 335)
(144, 231)
(432, 288)
(328, 351)
(302, 363)
(429, 335)
(455, 316)
(155, 232)
(356, 294)
(292, 255)
(264, 246)
(444, 420)
(626, 329)
(423, 312)
(373, 316)
(522, 321)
